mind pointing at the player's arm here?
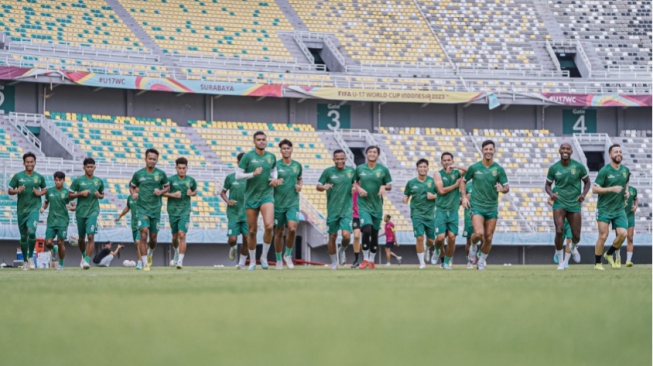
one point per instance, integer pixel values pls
(300, 183)
(274, 178)
(548, 188)
(46, 203)
(597, 189)
(166, 189)
(461, 169)
(241, 175)
(439, 185)
(122, 214)
(14, 187)
(172, 195)
(586, 188)
(503, 186)
(72, 207)
(321, 187)
(635, 203)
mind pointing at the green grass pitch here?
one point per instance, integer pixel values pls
(519, 315)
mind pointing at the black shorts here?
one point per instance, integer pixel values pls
(356, 223)
(389, 244)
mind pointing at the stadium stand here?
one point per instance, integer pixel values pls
(247, 29)
(8, 147)
(82, 22)
(124, 140)
(375, 32)
(82, 64)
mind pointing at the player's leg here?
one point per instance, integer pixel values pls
(291, 234)
(232, 242)
(174, 230)
(153, 238)
(345, 238)
(620, 224)
(559, 241)
(136, 237)
(366, 234)
(419, 247)
(357, 243)
(278, 244)
(32, 221)
(451, 248)
(144, 228)
(604, 230)
(252, 223)
(573, 226)
(331, 247)
(489, 226)
(630, 246)
(267, 212)
(242, 260)
(478, 223)
(374, 239)
(182, 248)
(61, 250)
(471, 257)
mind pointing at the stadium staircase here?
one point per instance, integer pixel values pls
(201, 145)
(20, 136)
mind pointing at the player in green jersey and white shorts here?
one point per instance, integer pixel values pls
(182, 188)
(88, 190)
(136, 234)
(236, 217)
(153, 184)
(58, 201)
(611, 185)
(30, 187)
(259, 168)
(420, 192)
(286, 204)
(488, 180)
(338, 181)
(567, 200)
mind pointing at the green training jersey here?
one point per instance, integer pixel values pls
(468, 212)
(484, 179)
(567, 182)
(610, 177)
(420, 206)
(371, 180)
(27, 201)
(132, 207)
(631, 200)
(87, 206)
(180, 206)
(236, 190)
(339, 199)
(258, 187)
(285, 195)
(149, 204)
(451, 200)
(57, 210)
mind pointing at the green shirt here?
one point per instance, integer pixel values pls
(610, 177)
(236, 190)
(87, 206)
(631, 200)
(468, 212)
(258, 187)
(371, 181)
(451, 200)
(339, 199)
(149, 204)
(567, 183)
(57, 210)
(180, 206)
(420, 206)
(484, 180)
(285, 195)
(27, 201)
(132, 207)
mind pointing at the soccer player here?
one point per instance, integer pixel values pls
(610, 185)
(236, 217)
(259, 168)
(182, 188)
(468, 231)
(630, 208)
(58, 219)
(390, 240)
(88, 190)
(421, 193)
(286, 204)
(372, 181)
(447, 182)
(337, 181)
(136, 234)
(153, 184)
(567, 175)
(356, 226)
(488, 180)
(30, 187)
(568, 238)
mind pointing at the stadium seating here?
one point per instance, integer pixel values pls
(96, 66)
(8, 147)
(619, 32)
(375, 32)
(225, 28)
(82, 22)
(125, 139)
(636, 147)
(486, 34)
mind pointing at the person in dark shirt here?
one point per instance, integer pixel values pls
(104, 257)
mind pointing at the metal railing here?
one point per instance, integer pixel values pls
(303, 48)
(68, 49)
(25, 132)
(316, 218)
(39, 120)
(578, 148)
(583, 56)
(337, 135)
(591, 138)
(328, 41)
(254, 63)
(369, 140)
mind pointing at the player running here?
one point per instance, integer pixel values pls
(488, 180)
(447, 182)
(236, 217)
(567, 175)
(29, 186)
(153, 184)
(390, 240)
(57, 199)
(286, 204)
(373, 180)
(337, 181)
(136, 234)
(421, 193)
(88, 190)
(182, 188)
(630, 208)
(259, 168)
(610, 185)
(356, 226)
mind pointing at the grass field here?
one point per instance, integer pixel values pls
(517, 315)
